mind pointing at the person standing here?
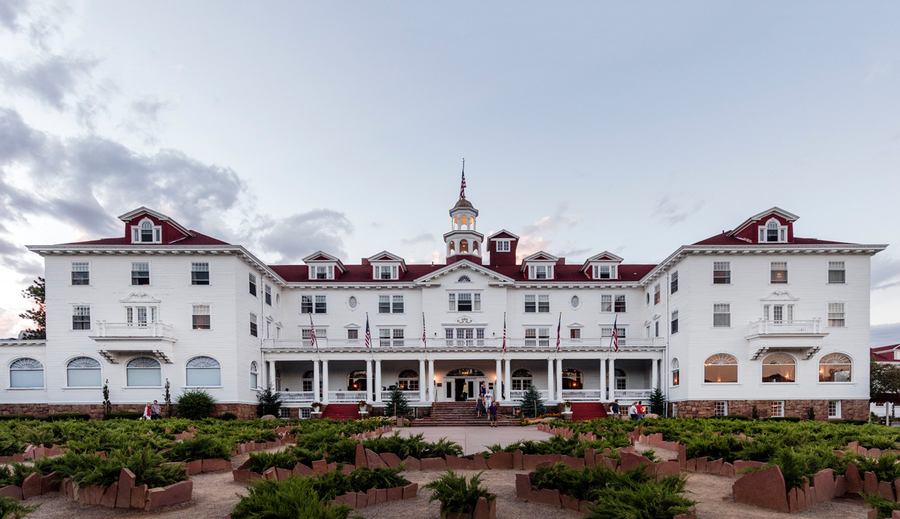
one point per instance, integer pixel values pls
(640, 410)
(614, 408)
(633, 412)
(479, 406)
(155, 411)
(482, 390)
(148, 414)
(465, 391)
(492, 414)
(488, 399)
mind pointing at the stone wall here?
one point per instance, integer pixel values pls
(243, 411)
(850, 409)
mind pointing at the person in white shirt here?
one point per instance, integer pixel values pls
(633, 412)
(487, 400)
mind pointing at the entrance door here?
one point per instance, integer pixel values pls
(458, 385)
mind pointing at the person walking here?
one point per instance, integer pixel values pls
(482, 389)
(641, 410)
(492, 414)
(155, 411)
(633, 412)
(148, 414)
(465, 391)
(488, 399)
(479, 406)
(614, 408)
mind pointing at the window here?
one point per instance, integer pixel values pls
(530, 304)
(721, 408)
(253, 330)
(721, 272)
(321, 307)
(203, 372)
(673, 283)
(321, 272)
(252, 285)
(397, 304)
(200, 318)
(834, 409)
(620, 304)
(776, 409)
(836, 273)
(26, 373)
(675, 321)
(386, 272)
(464, 302)
(254, 375)
(352, 302)
(83, 372)
(676, 373)
(464, 336)
(779, 272)
(656, 295)
(836, 315)
(779, 367)
(656, 326)
(521, 379)
(540, 272)
(268, 293)
(779, 313)
(722, 315)
(648, 298)
(464, 279)
(306, 304)
(146, 232)
(306, 334)
(81, 318)
(408, 380)
(140, 273)
(835, 367)
(621, 379)
(606, 334)
(139, 315)
(352, 334)
(268, 327)
(389, 337)
(575, 302)
(143, 372)
(199, 273)
(575, 333)
(277, 331)
(537, 303)
(537, 337)
(572, 379)
(306, 384)
(543, 304)
(81, 274)
(357, 380)
(720, 368)
(604, 272)
(502, 245)
(773, 232)
(384, 304)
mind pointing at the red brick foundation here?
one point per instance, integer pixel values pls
(242, 411)
(850, 409)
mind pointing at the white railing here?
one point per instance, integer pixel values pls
(626, 344)
(126, 330)
(632, 394)
(582, 394)
(297, 396)
(411, 396)
(764, 327)
(517, 395)
(347, 396)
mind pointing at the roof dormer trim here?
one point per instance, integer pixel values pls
(787, 216)
(142, 210)
(387, 257)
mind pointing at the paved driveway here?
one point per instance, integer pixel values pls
(476, 439)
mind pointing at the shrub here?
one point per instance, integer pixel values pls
(228, 416)
(17, 417)
(397, 405)
(457, 494)
(532, 405)
(269, 402)
(202, 448)
(885, 508)
(293, 497)
(68, 416)
(16, 477)
(12, 509)
(195, 404)
(122, 415)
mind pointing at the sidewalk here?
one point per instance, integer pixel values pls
(476, 439)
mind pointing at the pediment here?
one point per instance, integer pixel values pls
(780, 295)
(466, 266)
(140, 297)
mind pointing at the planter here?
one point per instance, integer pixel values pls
(315, 414)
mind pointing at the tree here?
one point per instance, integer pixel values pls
(398, 405)
(269, 403)
(532, 405)
(657, 402)
(38, 313)
(884, 385)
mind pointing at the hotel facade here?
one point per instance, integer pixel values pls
(752, 317)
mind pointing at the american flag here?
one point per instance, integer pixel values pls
(368, 333)
(504, 332)
(615, 335)
(462, 186)
(312, 333)
(424, 337)
(558, 330)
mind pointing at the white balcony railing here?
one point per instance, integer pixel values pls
(576, 395)
(411, 396)
(347, 396)
(769, 327)
(626, 344)
(632, 394)
(134, 330)
(297, 396)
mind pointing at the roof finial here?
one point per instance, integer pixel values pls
(462, 186)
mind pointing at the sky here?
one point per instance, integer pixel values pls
(290, 127)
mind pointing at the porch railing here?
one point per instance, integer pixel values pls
(411, 396)
(632, 394)
(576, 395)
(626, 344)
(297, 396)
(784, 327)
(518, 395)
(347, 396)
(128, 330)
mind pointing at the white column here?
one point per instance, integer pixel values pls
(431, 385)
(498, 371)
(324, 381)
(422, 380)
(378, 380)
(271, 364)
(559, 395)
(612, 379)
(507, 381)
(654, 373)
(551, 381)
(318, 395)
(368, 380)
(603, 397)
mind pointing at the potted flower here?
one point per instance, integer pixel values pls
(316, 408)
(567, 407)
(461, 498)
(362, 405)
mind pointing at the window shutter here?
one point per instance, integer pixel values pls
(612, 272)
(135, 235)
(531, 272)
(394, 272)
(330, 272)
(762, 234)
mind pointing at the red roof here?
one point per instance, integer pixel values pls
(725, 239)
(885, 353)
(197, 239)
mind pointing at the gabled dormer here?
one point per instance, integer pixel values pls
(539, 266)
(323, 266)
(146, 226)
(502, 247)
(772, 226)
(387, 266)
(603, 266)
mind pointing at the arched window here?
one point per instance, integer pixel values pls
(452, 247)
(464, 279)
(572, 379)
(463, 246)
(26, 373)
(779, 367)
(356, 381)
(522, 379)
(408, 380)
(720, 368)
(254, 375)
(465, 372)
(147, 231)
(835, 367)
(475, 247)
(83, 372)
(204, 372)
(676, 372)
(143, 372)
(621, 379)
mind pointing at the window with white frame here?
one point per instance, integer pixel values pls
(140, 315)
(254, 375)
(146, 232)
(252, 285)
(200, 317)
(321, 306)
(277, 331)
(268, 294)
(26, 373)
(575, 333)
(621, 379)
(305, 413)
(575, 302)
(203, 372)
(836, 272)
(464, 301)
(199, 273)
(268, 327)
(537, 337)
(605, 272)
(390, 304)
(721, 272)
(779, 367)
(521, 379)
(140, 273)
(656, 295)
(306, 384)
(620, 304)
(673, 283)
(253, 326)
(676, 372)
(776, 409)
(778, 313)
(143, 372)
(306, 334)
(83, 372)
(306, 304)
(606, 334)
(721, 408)
(835, 367)
(537, 303)
(408, 380)
(606, 303)
(81, 317)
(773, 232)
(321, 272)
(779, 272)
(720, 368)
(390, 337)
(834, 409)
(81, 273)
(722, 315)
(464, 336)
(836, 315)
(656, 328)
(540, 272)
(502, 245)
(675, 321)
(464, 279)
(386, 272)
(352, 334)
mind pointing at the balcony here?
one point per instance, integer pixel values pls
(628, 344)
(799, 337)
(133, 331)
(768, 328)
(126, 339)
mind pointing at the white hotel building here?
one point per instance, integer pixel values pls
(751, 317)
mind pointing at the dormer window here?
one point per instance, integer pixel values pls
(540, 272)
(385, 272)
(605, 272)
(502, 245)
(773, 232)
(146, 232)
(321, 272)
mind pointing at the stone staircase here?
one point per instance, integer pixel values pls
(588, 411)
(460, 414)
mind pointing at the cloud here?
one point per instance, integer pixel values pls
(532, 239)
(17, 259)
(884, 334)
(879, 70)
(302, 234)
(10, 11)
(50, 80)
(573, 253)
(885, 272)
(144, 119)
(672, 212)
(425, 237)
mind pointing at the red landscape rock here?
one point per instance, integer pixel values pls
(547, 496)
(374, 460)
(412, 464)
(380, 495)
(193, 467)
(360, 455)
(410, 491)
(870, 484)
(485, 509)
(395, 494)
(823, 482)
(50, 483)
(31, 487)
(392, 460)
(139, 496)
(348, 499)
(853, 479)
(126, 483)
(763, 488)
(302, 470)
(727, 470)
(630, 461)
(215, 465)
(479, 463)
(840, 486)
(572, 462)
(667, 468)
(715, 466)
(90, 495)
(433, 463)
(886, 490)
(171, 495)
(282, 474)
(518, 460)
(109, 497)
(456, 463)
(500, 461)
(12, 491)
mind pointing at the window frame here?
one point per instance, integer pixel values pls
(98, 368)
(657, 296)
(763, 365)
(674, 322)
(194, 315)
(252, 285)
(720, 313)
(454, 300)
(254, 325)
(720, 275)
(12, 367)
(502, 245)
(254, 376)
(267, 293)
(135, 277)
(836, 414)
(127, 368)
(676, 373)
(842, 270)
(721, 356)
(832, 322)
(773, 276)
(834, 355)
(720, 405)
(197, 270)
(137, 232)
(776, 409)
(673, 282)
(87, 280)
(86, 322)
(217, 367)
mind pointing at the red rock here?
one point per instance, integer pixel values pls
(727, 470)
(381, 496)
(31, 487)
(215, 465)
(872, 514)
(874, 453)
(852, 478)
(411, 464)
(569, 503)
(500, 461)
(371, 497)
(347, 469)
(823, 482)
(895, 514)
(840, 486)
(763, 488)
(348, 499)
(193, 467)
(741, 465)
(171, 495)
(870, 484)
(485, 509)
(50, 483)
(523, 486)
(395, 494)
(282, 474)
(479, 463)
(410, 491)
(392, 460)
(433, 464)
(320, 466)
(667, 468)
(572, 462)
(241, 475)
(271, 474)
(362, 500)
(360, 455)
(302, 470)
(714, 467)
(886, 491)
(126, 483)
(793, 501)
(589, 459)
(547, 496)
(610, 463)
(584, 506)
(691, 465)
(630, 461)
(374, 460)
(12, 491)
(701, 464)
(518, 460)
(456, 463)
(90, 495)
(109, 497)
